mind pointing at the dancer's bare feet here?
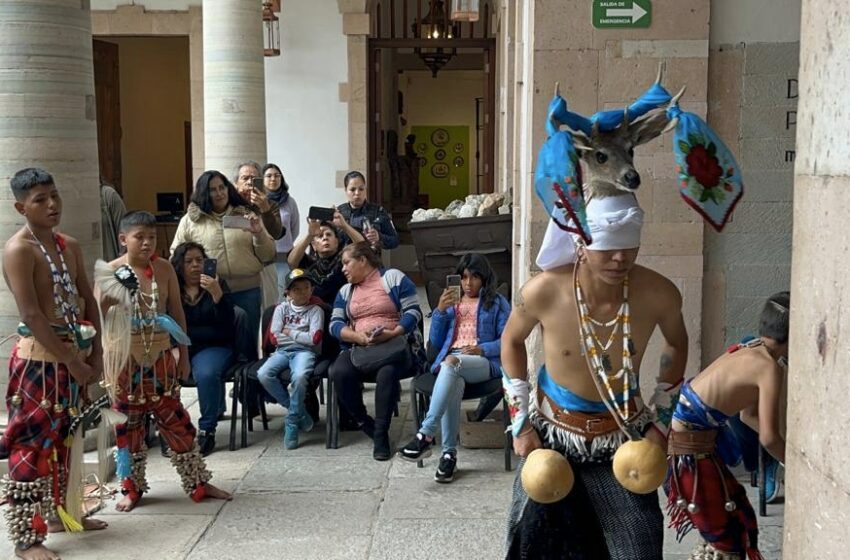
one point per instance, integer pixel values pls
(216, 493)
(89, 524)
(128, 502)
(36, 552)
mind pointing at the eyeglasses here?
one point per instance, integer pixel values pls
(246, 178)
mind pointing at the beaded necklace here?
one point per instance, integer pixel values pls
(144, 314)
(597, 353)
(65, 302)
(64, 289)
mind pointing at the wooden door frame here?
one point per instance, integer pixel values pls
(373, 106)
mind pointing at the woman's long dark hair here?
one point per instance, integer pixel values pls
(179, 256)
(201, 194)
(279, 196)
(479, 266)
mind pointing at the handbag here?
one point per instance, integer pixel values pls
(371, 358)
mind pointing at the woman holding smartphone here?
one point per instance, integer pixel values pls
(210, 319)
(234, 236)
(371, 220)
(467, 327)
(278, 194)
(373, 317)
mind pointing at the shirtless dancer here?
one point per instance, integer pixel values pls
(701, 491)
(599, 518)
(147, 381)
(57, 356)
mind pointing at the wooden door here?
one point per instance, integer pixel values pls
(375, 142)
(108, 100)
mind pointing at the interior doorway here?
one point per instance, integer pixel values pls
(431, 106)
(142, 88)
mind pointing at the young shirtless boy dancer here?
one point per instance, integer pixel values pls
(701, 490)
(621, 305)
(57, 356)
(140, 298)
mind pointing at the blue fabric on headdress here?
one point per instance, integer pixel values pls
(656, 96)
(557, 179)
(709, 178)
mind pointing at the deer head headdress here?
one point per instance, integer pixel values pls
(708, 176)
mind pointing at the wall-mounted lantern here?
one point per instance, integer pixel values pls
(271, 29)
(465, 10)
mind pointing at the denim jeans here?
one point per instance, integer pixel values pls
(300, 363)
(250, 302)
(208, 369)
(448, 394)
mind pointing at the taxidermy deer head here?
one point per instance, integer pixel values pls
(609, 156)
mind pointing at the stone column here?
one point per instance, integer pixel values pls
(234, 84)
(47, 119)
(818, 444)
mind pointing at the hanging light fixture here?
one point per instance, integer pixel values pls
(435, 25)
(271, 30)
(465, 10)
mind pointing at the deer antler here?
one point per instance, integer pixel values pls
(674, 101)
(662, 68)
(625, 126)
(594, 131)
(557, 89)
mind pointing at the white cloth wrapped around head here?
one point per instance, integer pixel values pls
(615, 223)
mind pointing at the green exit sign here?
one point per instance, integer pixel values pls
(621, 13)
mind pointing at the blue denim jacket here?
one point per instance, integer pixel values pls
(491, 323)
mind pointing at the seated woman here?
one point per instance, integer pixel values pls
(468, 332)
(319, 253)
(210, 322)
(377, 307)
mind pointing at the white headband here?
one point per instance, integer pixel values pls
(614, 221)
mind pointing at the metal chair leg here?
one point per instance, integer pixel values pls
(233, 412)
(321, 391)
(333, 412)
(414, 402)
(762, 482)
(508, 439)
(245, 407)
(263, 414)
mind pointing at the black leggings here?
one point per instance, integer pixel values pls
(348, 380)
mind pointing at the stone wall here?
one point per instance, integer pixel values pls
(752, 104)
(602, 69)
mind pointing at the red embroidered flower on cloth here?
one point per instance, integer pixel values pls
(704, 166)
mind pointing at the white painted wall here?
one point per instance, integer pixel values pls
(150, 5)
(306, 124)
(754, 21)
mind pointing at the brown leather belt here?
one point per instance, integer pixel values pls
(588, 425)
(31, 349)
(700, 442)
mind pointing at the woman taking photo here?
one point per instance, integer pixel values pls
(374, 315)
(278, 194)
(320, 253)
(232, 234)
(368, 218)
(468, 331)
(210, 325)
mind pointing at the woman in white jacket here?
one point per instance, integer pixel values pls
(242, 248)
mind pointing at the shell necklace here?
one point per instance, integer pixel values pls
(597, 352)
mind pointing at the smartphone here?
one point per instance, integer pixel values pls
(453, 283)
(376, 333)
(257, 184)
(236, 222)
(321, 214)
(210, 267)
